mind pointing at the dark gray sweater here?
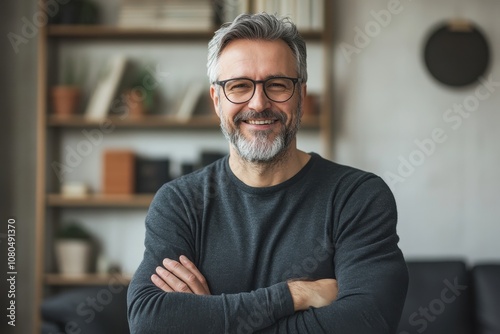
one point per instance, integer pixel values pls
(328, 221)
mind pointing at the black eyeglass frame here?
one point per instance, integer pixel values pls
(222, 83)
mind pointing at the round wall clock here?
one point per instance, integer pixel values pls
(457, 54)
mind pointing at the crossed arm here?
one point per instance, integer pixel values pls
(370, 269)
(183, 276)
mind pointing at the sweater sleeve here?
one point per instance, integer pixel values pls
(370, 269)
(151, 310)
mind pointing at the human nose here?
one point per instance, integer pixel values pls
(259, 100)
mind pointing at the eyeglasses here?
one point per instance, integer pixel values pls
(241, 90)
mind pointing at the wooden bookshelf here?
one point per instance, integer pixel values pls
(52, 132)
(101, 201)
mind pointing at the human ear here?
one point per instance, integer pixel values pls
(303, 95)
(215, 98)
(303, 91)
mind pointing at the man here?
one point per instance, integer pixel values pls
(259, 240)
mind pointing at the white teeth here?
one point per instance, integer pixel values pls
(263, 122)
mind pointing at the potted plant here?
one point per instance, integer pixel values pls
(139, 95)
(73, 249)
(67, 95)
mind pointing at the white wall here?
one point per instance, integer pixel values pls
(386, 100)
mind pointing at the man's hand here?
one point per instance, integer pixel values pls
(182, 276)
(306, 294)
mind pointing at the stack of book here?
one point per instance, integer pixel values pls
(228, 10)
(126, 173)
(167, 14)
(308, 15)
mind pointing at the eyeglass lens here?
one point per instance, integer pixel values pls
(242, 90)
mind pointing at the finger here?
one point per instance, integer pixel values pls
(160, 283)
(199, 276)
(174, 282)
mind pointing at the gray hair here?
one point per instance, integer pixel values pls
(261, 26)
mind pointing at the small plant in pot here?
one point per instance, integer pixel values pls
(73, 248)
(67, 95)
(139, 94)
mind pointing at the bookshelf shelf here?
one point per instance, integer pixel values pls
(152, 121)
(113, 32)
(311, 122)
(87, 279)
(101, 201)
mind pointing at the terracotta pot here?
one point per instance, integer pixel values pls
(65, 100)
(135, 103)
(73, 256)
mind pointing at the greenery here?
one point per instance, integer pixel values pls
(73, 72)
(73, 231)
(141, 81)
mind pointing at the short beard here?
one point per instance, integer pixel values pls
(259, 149)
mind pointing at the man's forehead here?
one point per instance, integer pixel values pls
(250, 44)
(257, 53)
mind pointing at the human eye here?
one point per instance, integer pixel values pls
(239, 85)
(278, 84)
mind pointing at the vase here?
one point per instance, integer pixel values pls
(65, 100)
(73, 256)
(135, 103)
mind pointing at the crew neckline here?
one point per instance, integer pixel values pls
(271, 189)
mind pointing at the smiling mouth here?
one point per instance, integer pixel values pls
(260, 121)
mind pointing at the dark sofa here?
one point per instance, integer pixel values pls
(93, 310)
(444, 297)
(448, 297)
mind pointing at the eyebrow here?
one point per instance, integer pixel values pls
(276, 75)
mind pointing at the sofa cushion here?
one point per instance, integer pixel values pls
(486, 280)
(96, 310)
(51, 328)
(438, 299)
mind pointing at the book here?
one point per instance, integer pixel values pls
(232, 8)
(101, 99)
(118, 172)
(151, 174)
(287, 8)
(168, 15)
(190, 99)
(317, 15)
(260, 6)
(303, 11)
(272, 6)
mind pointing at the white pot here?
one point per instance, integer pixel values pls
(73, 256)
